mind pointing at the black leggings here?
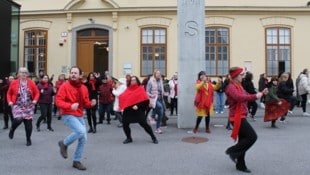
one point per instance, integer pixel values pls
(142, 123)
(46, 112)
(91, 117)
(174, 105)
(7, 114)
(27, 124)
(199, 118)
(246, 138)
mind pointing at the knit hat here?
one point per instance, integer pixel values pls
(235, 72)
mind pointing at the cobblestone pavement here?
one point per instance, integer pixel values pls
(284, 150)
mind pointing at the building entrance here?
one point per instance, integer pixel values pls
(93, 50)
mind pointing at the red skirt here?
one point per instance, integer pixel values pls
(273, 110)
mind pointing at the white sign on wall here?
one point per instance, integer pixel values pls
(127, 68)
(247, 66)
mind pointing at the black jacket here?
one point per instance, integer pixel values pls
(284, 90)
(248, 86)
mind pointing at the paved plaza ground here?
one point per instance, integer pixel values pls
(281, 151)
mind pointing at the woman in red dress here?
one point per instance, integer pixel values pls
(22, 96)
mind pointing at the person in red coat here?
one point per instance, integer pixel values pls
(71, 99)
(238, 98)
(22, 96)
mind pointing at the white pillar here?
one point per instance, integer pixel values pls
(191, 56)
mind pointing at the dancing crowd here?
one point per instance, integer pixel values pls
(146, 102)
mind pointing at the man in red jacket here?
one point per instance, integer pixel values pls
(71, 98)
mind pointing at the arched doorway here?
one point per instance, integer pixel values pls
(93, 50)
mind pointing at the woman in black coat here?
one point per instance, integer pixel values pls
(92, 83)
(285, 91)
(134, 103)
(248, 86)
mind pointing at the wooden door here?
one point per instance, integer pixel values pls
(101, 58)
(85, 55)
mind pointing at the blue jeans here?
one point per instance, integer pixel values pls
(219, 97)
(105, 108)
(159, 110)
(78, 127)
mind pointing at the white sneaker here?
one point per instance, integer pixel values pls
(262, 105)
(158, 131)
(226, 106)
(253, 118)
(216, 112)
(305, 114)
(222, 112)
(290, 112)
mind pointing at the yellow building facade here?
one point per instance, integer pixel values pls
(138, 36)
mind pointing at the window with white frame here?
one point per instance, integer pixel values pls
(153, 50)
(35, 49)
(217, 51)
(278, 50)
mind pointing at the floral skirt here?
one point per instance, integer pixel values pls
(23, 110)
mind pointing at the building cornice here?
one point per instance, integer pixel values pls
(169, 9)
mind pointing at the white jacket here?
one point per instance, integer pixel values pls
(117, 92)
(172, 83)
(304, 85)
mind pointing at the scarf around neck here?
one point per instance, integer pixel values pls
(92, 84)
(237, 116)
(44, 84)
(134, 94)
(76, 84)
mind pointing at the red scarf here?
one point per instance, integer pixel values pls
(237, 116)
(44, 84)
(206, 96)
(134, 94)
(92, 84)
(77, 84)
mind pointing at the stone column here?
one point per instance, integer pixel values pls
(191, 56)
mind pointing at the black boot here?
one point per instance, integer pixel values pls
(28, 142)
(128, 140)
(273, 124)
(5, 126)
(38, 124)
(11, 133)
(155, 141)
(94, 130)
(15, 124)
(90, 130)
